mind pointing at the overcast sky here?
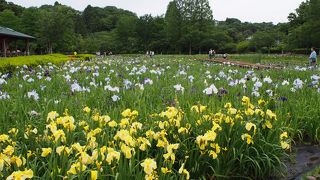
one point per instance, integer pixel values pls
(245, 10)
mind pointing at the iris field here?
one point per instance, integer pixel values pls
(168, 117)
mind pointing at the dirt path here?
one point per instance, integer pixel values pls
(307, 157)
(241, 63)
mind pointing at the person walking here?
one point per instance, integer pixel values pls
(313, 57)
(225, 56)
(210, 54)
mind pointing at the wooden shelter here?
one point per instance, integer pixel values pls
(8, 35)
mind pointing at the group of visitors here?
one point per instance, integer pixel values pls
(150, 53)
(212, 54)
(104, 54)
(13, 53)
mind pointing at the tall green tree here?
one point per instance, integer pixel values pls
(305, 25)
(187, 26)
(145, 31)
(91, 18)
(11, 6)
(57, 28)
(197, 18)
(98, 19)
(101, 41)
(159, 42)
(173, 23)
(10, 20)
(30, 20)
(264, 40)
(126, 34)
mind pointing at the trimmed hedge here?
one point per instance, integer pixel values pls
(10, 63)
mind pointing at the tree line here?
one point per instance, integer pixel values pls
(187, 26)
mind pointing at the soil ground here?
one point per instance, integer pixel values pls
(307, 157)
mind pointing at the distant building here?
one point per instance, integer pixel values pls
(8, 35)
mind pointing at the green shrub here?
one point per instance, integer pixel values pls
(243, 47)
(9, 64)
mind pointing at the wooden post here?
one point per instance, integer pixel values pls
(28, 50)
(4, 47)
(15, 44)
(1, 45)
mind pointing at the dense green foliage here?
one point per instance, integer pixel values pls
(305, 25)
(188, 26)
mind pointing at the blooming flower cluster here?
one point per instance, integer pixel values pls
(187, 119)
(162, 147)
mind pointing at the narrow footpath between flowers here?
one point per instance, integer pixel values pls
(242, 63)
(307, 157)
